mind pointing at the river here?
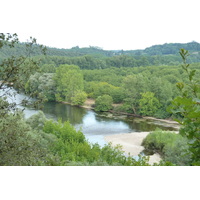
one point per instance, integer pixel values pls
(94, 125)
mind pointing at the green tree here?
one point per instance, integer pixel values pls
(96, 89)
(20, 145)
(73, 148)
(69, 81)
(171, 146)
(103, 103)
(187, 107)
(149, 104)
(37, 121)
(16, 70)
(79, 98)
(134, 85)
(42, 84)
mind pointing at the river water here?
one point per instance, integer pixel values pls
(94, 125)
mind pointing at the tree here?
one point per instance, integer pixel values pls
(96, 89)
(20, 145)
(42, 84)
(69, 81)
(134, 85)
(16, 70)
(103, 103)
(79, 98)
(149, 104)
(187, 108)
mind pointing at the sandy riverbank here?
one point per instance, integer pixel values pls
(131, 143)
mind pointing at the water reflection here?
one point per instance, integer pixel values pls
(94, 125)
(69, 113)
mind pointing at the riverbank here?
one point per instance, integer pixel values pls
(89, 104)
(131, 143)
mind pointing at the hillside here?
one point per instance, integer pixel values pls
(170, 48)
(97, 58)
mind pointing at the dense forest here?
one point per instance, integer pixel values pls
(139, 82)
(97, 58)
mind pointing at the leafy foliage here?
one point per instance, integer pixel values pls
(103, 103)
(73, 148)
(79, 98)
(20, 145)
(96, 89)
(148, 104)
(41, 84)
(16, 70)
(187, 107)
(69, 81)
(97, 58)
(173, 147)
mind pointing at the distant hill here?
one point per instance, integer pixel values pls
(20, 49)
(167, 49)
(166, 54)
(172, 48)
(164, 49)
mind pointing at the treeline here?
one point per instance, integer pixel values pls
(120, 61)
(172, 48)
(144, 91)
(164, 49)
(141, 85)
(97, 58)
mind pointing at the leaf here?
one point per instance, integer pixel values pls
(194, 115)
(180, 86)
(192, 73)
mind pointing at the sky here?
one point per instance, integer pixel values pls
(109, 24)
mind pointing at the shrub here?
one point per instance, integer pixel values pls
(79, 98)
(20, 145)
(37, 121)
(73, 148)
(148, 104)
(103, 103)
(171, 146)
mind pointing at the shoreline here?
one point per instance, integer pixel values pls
(89, 103)
(131, 143)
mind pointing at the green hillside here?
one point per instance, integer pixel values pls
(97, 58)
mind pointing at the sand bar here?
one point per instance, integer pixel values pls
(131, 143)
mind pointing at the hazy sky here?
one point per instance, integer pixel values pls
(109, 24)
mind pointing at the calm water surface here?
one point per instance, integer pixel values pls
(94, 125)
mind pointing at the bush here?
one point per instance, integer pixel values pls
(73, 149)
(79, 98)
(103, 103)
(148, 104)
(171, 146)
(20, 145)
(124, 108)
(37, 121)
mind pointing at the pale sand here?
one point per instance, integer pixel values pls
(131, 143)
